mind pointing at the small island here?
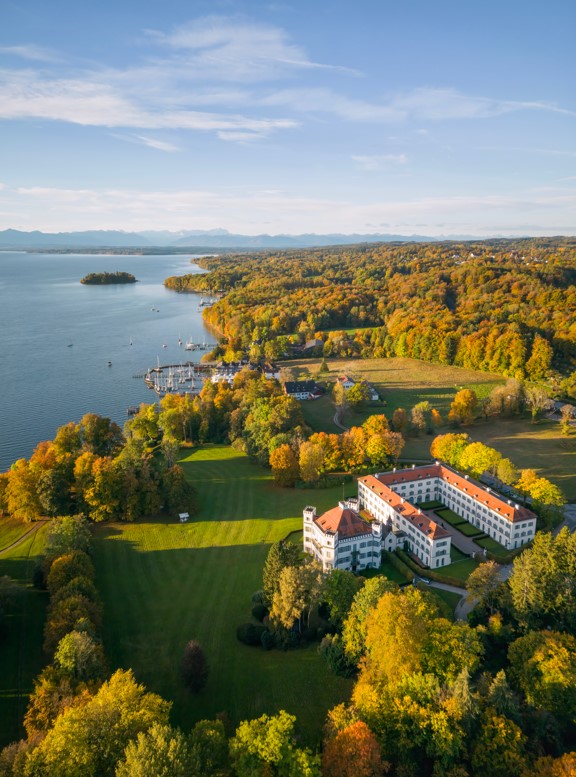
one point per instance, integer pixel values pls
(106, 278)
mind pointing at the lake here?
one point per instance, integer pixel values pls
(58, 335)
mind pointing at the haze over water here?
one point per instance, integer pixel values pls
(45, 382)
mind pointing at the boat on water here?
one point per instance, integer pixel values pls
(190, 345)
(176, 379)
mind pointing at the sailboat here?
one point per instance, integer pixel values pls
(189, 345)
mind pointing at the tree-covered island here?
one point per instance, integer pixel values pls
(107, 278)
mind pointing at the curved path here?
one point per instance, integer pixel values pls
(35, 527)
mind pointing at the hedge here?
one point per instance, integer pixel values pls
(433, 574)
(398, 564)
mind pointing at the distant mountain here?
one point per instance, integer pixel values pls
(12, 238)
(211, 238)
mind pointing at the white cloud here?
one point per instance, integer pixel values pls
(24, 95)
(235, 49)
(380, 161)
(159, 145)
(30, 51)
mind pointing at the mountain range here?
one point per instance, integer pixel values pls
(212, 238)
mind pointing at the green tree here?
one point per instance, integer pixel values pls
(478, 458)
(162, 751)
(100, 435)
(194, 667)
(499, 748)
(88, 740)
(543, 583)
(339, 589)
(209, 750)
(79, 657)
(483, 583)
(267, 746)
(543, 666)
(358, 395)
(66, 534)
(281, 554)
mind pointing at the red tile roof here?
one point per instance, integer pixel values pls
(402, 506)
(344, 521)
(468, 487)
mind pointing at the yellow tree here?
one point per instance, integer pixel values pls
(463, 407)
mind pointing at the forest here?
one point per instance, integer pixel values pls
(506, 306)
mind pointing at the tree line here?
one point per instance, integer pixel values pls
(503, 306)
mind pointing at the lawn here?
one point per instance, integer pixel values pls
(401, 382)
(164, 583)
(536, 446)
(469, 530)
(461, 567)
(319, 414)
(449, 597)
(21, 656)
(11, 529)
(449, 516)
(494, 547)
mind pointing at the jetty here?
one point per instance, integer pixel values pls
(183, 378)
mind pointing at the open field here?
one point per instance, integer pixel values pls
(401, 382)
(404, 382)
(536, 446)
(449, 597)
(164, 583)
(21, 656)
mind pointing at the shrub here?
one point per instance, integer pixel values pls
(250, 634)
(194, 667)
(259, 611)
(267, 640)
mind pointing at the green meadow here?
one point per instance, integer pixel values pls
(164, 583)
(21, 656)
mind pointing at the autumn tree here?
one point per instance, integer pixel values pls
(353, 752)
(400, 421)
(311, 461)
(298, 591)
(540, 360)
(354, 630)
(482, 584)
(281, 554)
(463, 407)
(449, 447)
(88, 740)
(285, 465)
(478, 458)
(538, 400)
(80, 657)
(499, 747)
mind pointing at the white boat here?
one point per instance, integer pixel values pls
(189, 345)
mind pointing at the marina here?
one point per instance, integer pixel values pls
(182, 378)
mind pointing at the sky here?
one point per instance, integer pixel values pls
(428, 117)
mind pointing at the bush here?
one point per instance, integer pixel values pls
(194, 667)
(267, 640)
(332, 650)
(39, 578)
(250, 634)
(259, 611)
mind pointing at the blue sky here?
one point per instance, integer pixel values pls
(413, 117)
